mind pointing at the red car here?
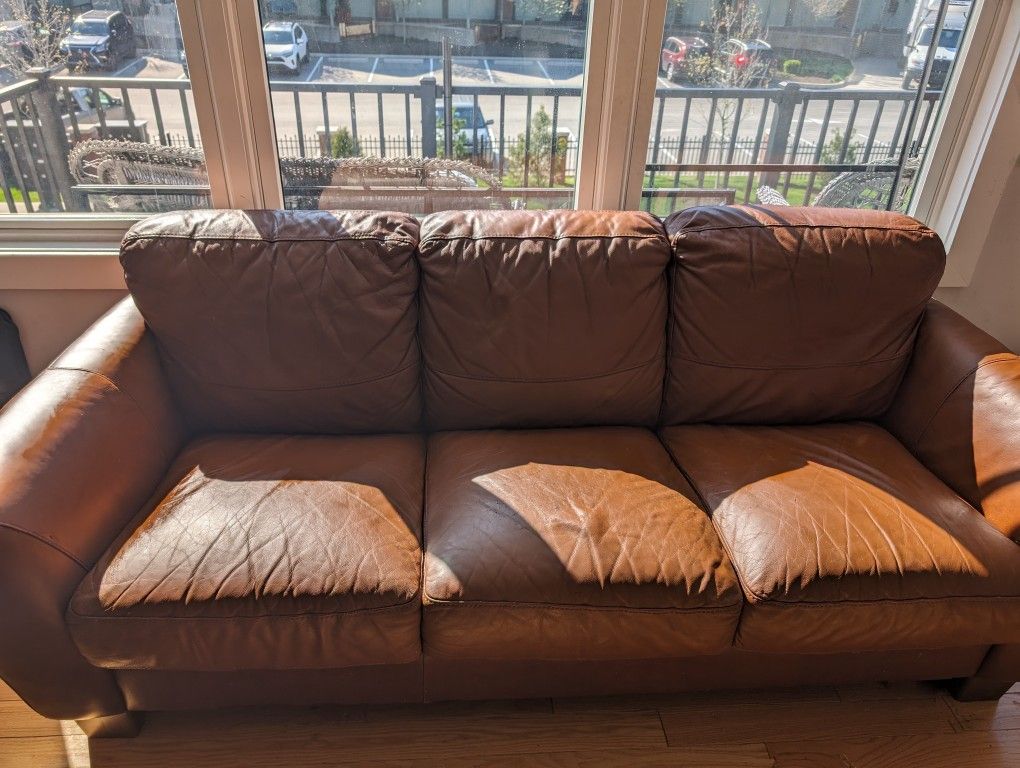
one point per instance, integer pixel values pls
(676, 51)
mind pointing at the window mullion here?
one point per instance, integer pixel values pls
(223, 42)
(624, 42)
(968, 166)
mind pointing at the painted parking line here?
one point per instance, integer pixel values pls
(314, 70)
(545, 71)
(375, 65)
(488, 70)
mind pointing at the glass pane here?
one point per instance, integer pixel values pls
(367, 118)
(97, 109)
(807, 102)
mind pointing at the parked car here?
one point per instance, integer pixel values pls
(677, 52)
(286, 45)
(99, 39)
(81, 105)
(745, 63)
(467, 125)
(949, 44)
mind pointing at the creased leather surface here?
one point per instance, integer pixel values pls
(266, 553)
(81, 448)
(843, 541)
(534, 319)
(281, 321)
(959, 412)
(572, 544)
(793, 315)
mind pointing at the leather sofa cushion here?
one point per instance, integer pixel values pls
(265, 553)
(282, 321)
(843, 541)
(569, 544)
(536, 319)
(793, 315)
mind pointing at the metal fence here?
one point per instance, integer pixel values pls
(720, 138)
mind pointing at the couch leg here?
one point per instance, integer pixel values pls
(978, 688)
(126, 725)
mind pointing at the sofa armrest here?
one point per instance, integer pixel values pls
(958, 411)
(81, 449)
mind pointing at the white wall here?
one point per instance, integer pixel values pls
(992, 300)
(50, 320)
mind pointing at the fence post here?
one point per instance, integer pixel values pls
(428, 116)
(53, 143)
(779, 132)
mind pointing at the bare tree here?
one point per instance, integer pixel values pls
(401, 7)
(544, 8)
(731, 19)
(34, 39)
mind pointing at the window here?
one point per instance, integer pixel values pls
(813, 102)
(97, 111)
(358, 103)
(420, 105)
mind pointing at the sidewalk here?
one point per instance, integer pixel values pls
(875, 73)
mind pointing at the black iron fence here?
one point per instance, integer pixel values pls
(702, 138)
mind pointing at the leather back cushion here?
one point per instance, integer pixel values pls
(542, 318)
(793, 315)
(278, 321)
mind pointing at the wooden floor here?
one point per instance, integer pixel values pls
(855, 727)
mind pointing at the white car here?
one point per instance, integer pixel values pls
(286, 45)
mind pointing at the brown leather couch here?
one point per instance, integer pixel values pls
(351, 457)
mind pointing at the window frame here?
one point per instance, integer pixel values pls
(968, 166)
(234, 114)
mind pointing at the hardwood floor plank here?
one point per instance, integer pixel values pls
(852, 727)
(6, 693)
(69, 750)
(959, 750)
(786, 721)
(18, 721)
(318, 738)
(1000, 715)
(745, 756)
(696, 698)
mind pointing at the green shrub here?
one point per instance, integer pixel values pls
(831, 154)
(826, 66)
(344, 144)
(540, 157)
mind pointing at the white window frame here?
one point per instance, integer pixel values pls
(970, 161)
(621, 73)
(965, 170)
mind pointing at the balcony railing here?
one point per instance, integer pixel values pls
(703, 139)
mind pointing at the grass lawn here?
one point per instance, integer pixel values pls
(663, 206)
(18, 196)
(736, 181)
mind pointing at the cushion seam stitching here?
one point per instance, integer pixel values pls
(551, 380)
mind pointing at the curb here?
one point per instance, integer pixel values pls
(824, 86)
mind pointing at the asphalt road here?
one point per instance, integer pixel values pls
(391, 112)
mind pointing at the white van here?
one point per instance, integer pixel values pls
(919, 40)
